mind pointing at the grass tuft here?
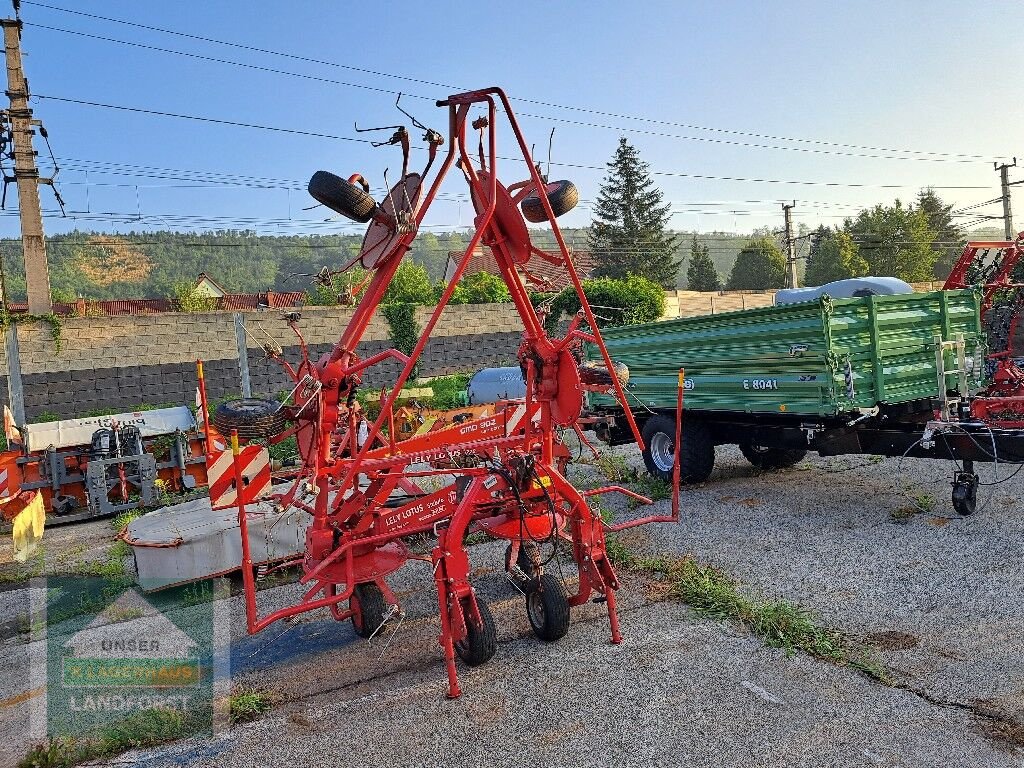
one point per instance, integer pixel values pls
(246, 704)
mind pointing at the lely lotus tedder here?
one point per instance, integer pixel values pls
(502, 474)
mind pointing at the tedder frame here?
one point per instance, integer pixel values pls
(503, 475)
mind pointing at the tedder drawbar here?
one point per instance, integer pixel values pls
(502, 474)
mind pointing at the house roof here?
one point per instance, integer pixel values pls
(554, 277)
(205, 278)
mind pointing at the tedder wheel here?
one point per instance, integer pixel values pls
(698, 455)
(528, 561)
(547, 608)
(771, 458)
(254, 418)
(481, 642)
(562, 195)
(342, 196)
(370, 609)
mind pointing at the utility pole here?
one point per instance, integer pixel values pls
(790, 248)
(1004, 182)
(26, 174)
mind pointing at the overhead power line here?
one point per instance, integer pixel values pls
(579, 166)
(620, 129)
(552, 105)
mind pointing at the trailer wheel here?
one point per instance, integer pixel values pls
(341, 196)
(771, 458)
(562, 195)
(370, 609)
(697, 459)
(254, 418)
(547, 608)
(481, 642)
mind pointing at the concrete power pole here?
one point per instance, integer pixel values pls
(1004, 182)
(790, 247)
(26, 174)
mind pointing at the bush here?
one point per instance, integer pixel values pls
(481, 288)
(187, 298)
(629, 301)
(410, 285)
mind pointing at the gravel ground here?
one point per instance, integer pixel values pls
(939, 599)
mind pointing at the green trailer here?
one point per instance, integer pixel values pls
(823, 358)
(836, 376)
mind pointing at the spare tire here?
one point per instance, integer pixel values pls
(769, 459)
(594, 373)
(341, 196)
(562, 195)
(253, 417)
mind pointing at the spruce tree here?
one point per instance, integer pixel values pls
(701, 274)
(629, 233)
(949, 239)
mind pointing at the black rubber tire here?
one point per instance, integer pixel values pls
(697, 459)
(547, 608)
(370, 606)
(595, 373)
(768, 459)
(562, 195)
(253, 417)
(480, 643)
(341, 196)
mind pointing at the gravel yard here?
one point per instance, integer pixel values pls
(936, 598)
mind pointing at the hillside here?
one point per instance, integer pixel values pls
(99, 265)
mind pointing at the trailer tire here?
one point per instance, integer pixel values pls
(480, 643)
(370, 609)
(697, 459)
(547, 608)
(562, 195)
(768, 459)
(253, 417)
(341, 196)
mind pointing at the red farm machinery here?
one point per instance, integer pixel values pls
(501, 474)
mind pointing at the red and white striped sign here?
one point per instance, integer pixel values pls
(5, 483)
(220, 474)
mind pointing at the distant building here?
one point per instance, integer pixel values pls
(208, 287)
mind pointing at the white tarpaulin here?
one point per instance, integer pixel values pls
(71, 432)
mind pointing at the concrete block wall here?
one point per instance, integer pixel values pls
(121, 362)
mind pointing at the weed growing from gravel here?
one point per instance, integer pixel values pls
(247, 704)
(145, 728)
(780, 624)
(121, 521)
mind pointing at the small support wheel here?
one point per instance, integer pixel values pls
(562, 195)
(370, 609)
(547, 608)
(965, 493)
(481, 641)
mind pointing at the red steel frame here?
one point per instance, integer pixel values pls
(516, 489)
(1002, 404)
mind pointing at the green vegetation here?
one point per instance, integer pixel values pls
(701, 274)
(758, 266)
(246, 704)
(187, 298)
(448, 390)
(834, 256)
(628, 301)
(629, 234)
(145, 728)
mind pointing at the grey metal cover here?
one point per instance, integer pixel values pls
(187, 542)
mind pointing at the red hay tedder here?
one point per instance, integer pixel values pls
(505, 473)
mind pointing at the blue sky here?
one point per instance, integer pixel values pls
(935, 77)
